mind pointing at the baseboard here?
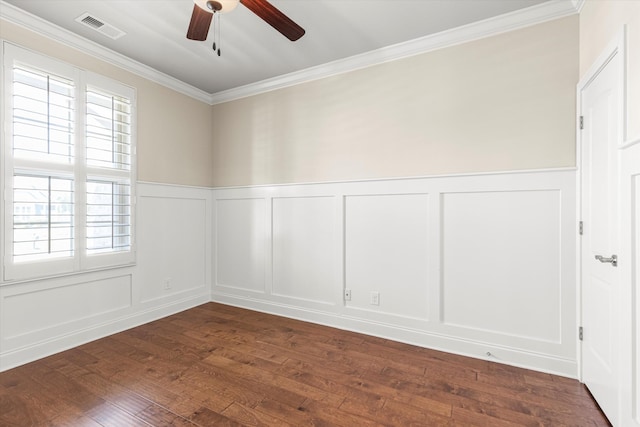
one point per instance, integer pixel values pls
(42, 349)
(449, 344)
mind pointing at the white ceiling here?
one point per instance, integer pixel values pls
(252, 51)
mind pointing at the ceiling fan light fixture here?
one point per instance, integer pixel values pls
(220, 6)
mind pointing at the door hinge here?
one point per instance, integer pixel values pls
(580, 333)
(581, 122)
(581, 228)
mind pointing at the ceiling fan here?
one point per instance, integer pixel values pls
(203, 11)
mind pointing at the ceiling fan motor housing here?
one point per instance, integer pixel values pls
(220, 6)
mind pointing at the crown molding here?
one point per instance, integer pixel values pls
(543, 12)
(578, 4)
(24, 19)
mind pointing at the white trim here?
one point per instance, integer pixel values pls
(397, 178)
(543, 12)
(630, 142)
(578, 240)
(17, 16)
(578, 4)
(617, 46)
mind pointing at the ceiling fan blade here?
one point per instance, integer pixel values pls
(272, 16)
(199, 25)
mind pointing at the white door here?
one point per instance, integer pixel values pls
(600, 282)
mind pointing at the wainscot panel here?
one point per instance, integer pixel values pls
(387, 253)
(241, 241)
(304, 236)
(39, 311)
(173, 273)
(173, 244)
(501, 262)
(482, 265)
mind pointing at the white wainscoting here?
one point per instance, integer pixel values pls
(174, 229)
(482, 265)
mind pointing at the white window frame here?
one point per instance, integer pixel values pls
(80, 261)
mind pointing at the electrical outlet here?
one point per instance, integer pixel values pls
(347, 294)
(167, 283)
(375, 298)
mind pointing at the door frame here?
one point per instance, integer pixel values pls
(617, 47)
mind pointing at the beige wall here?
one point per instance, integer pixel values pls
(502, 103)
(600, 22)
(174, 130)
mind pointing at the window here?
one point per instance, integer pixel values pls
(108, 148)
(108, 217)
(68, 168)
(42, 217)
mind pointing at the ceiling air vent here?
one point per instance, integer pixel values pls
(100, 26)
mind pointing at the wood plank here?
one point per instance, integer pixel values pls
(252, 417)
(205, 417)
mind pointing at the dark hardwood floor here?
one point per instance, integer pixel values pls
(219, 365)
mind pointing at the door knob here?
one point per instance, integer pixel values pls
(613, 260)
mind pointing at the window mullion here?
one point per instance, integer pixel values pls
(81, 173)
(113, 174)
(38, 168)
(48, 115)
(113, 130)
(113, 214)
(49, 215)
